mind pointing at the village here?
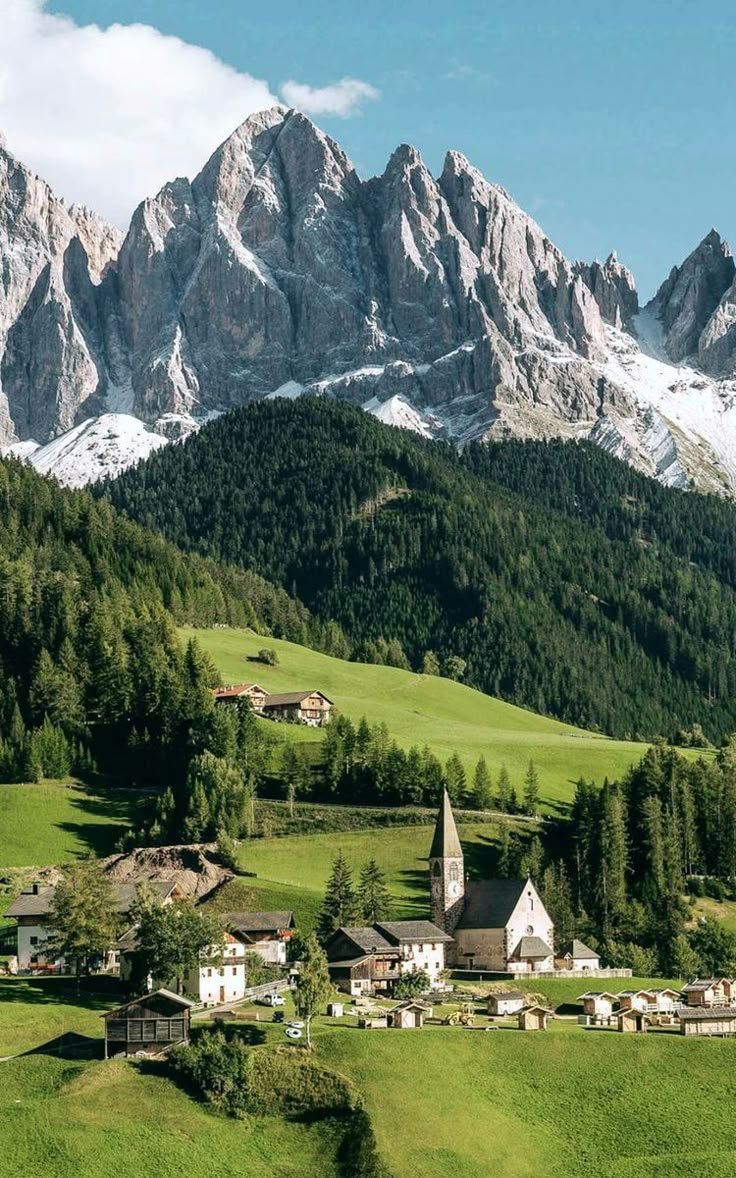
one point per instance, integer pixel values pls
(452, 970)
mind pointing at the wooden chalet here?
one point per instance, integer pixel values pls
(534, 1018)
(712, 1020)
(255, 694)
(299, 707)
(410, 1013)
(368, 960)
(709, 992)
(505, 1002)
(147, 1026)
(636, 1000)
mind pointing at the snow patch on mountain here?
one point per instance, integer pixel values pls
(101, 447)
(396, 411)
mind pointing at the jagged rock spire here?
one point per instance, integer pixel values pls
(445, 844)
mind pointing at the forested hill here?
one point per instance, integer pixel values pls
(90, 661)
(565, 580)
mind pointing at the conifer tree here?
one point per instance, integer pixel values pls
(482, 786)
(531, 790)
(503, 791)
(372, 897)
(455, 778)
(338, 906)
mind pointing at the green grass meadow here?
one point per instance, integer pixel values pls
(425, 709)
(50, 822)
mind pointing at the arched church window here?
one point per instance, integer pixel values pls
(436, 870)
(454, 876)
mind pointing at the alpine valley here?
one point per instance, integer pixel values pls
(436, 304)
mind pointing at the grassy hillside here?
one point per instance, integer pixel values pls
(292, 872)
(570, 1103)
(425, 709)
(48, 822)
(566, 1104)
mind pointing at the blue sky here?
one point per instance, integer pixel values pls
(613, 123)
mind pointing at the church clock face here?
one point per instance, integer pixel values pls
(453, 888)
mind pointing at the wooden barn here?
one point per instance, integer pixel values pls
(410, 1013)
(241, 691)
(598, 1003)
(631, 1020)
(505, 1002)
(708, 1021)
(148, 1025)
(534, 1018)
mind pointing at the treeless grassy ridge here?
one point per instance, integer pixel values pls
(425, 709)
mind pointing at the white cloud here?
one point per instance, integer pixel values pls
(341, 98)
(108, 115)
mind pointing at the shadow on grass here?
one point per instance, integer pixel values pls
(120, 810)
(70, 1046)
(57, 991)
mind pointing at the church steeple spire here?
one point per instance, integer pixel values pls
(447, 870)
(445, 843)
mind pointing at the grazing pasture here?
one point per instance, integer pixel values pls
(426, 709)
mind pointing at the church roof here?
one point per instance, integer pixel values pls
(445, 842)
(490, 902)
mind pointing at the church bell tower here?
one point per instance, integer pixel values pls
(446, 870)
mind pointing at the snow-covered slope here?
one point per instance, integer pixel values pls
(101, 447)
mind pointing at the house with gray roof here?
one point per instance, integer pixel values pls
(499, 925)
(371, 959)
(32, 910)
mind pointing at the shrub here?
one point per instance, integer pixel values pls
(269, 656)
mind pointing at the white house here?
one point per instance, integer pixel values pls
(215, 984)
(32, 909)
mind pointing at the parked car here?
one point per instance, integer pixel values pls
(273, 1000)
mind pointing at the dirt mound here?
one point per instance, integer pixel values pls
(193, 867)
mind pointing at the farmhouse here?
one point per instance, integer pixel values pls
(221, 978)
(534, 1018)
(506, 1002)
(299, 707)
(241, 691)
(716, 1020)
(598, 1004)
(576, 955)
(499, 925)
(32, 909)
(372, 959)
(148, 1025)
(708, 992)
(264, 933)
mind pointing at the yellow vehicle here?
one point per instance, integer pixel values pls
(464, 1016)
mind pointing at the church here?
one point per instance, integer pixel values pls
(496, 924)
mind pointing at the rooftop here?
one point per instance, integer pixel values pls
(489, 903)
(445, 843)
(38, 900)
(292, 697)
(259, 922)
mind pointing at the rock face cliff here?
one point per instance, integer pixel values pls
(436, 302)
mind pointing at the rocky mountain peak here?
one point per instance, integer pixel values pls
(687, 299)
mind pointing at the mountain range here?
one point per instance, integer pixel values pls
(435, 303)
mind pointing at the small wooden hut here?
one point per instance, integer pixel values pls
(708, 1021)
(148, 1025)
(505, 1002)
(410, 1013)
(631, 1020)
(534, 1018)
(598, 1003)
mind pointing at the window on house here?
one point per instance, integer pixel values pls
(235, 971)
(209, 973)
(222, 973)
(34, 940)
